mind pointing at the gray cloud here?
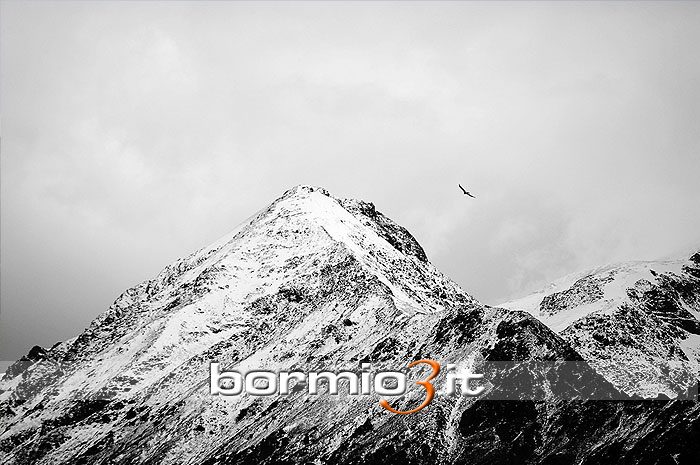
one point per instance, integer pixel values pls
(135, 133)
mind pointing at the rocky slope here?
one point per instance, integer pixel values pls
(315, 283)
(637, 323)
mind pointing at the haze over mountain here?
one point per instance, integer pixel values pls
(317, 282)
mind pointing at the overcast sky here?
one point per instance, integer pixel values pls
(134, 134)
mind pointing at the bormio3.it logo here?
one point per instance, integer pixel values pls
(383, 383)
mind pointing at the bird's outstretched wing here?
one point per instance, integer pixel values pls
(470, 195)
(460, 186)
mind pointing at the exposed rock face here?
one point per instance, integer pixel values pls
(35, 354)
(317, 283)
(637, 323)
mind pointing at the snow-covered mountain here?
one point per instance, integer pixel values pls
(316, 282)
(637, 323)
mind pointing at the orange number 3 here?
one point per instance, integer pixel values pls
(429, 388)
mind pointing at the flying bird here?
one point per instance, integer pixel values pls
(465, 192)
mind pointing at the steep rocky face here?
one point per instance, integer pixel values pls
(637, 323)
(315, 283)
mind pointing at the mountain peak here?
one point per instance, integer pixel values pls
(304, 240)
(331, 213)
(305, 189)
(310, 282)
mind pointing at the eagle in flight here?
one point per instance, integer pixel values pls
(465, 192)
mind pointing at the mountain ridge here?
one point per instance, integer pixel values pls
(315, 282)
(637, 322)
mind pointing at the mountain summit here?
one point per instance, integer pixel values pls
(313, 282)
